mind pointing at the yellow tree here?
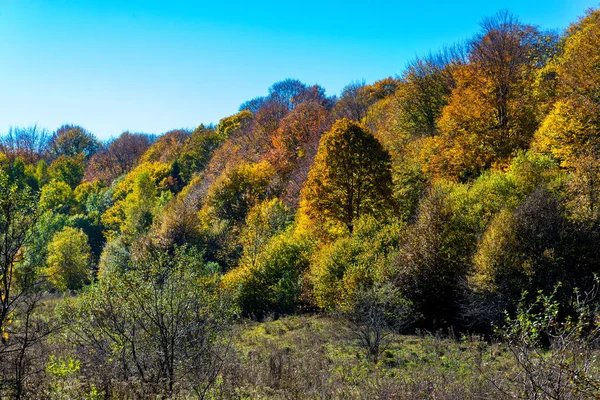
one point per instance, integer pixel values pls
(350, 177)
(491, 111)
(69, 259)
(570, 130)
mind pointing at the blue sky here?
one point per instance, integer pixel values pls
(151, 66)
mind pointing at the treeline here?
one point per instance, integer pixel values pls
(442, 198)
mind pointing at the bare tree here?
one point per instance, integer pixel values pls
(373, 315)
(29, 144)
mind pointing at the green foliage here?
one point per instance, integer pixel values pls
(354, 263)
(134, 200)
(69, 260)
(57, 196)
(236, 191)
(197, 151)
(274, 284)
(68, 169)
(264, 221)
(553, 350)
(41, 173)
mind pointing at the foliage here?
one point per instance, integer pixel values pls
(71, 140)
(117, 157)
(162, 321)
(68, 169)
(69, 260)
(350, 177)
(554, 356)
(274, 283)
(236, 191)
(57, 196)
(354, 263)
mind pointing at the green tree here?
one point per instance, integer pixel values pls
(350, 177)
(68, 169)
(57, 196)
(264, 221)
(432, 260)
(69, 260)
(197, 150)
(274, 284)
(18, 215)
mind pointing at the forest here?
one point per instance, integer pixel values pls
(429, 235)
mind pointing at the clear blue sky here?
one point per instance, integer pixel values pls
(151, 66)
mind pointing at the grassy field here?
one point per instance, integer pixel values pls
(317, 357)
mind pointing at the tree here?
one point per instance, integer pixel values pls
(426, 89)
(353, 263)
(18, 215)
(350, 177)
(167, 147)
(354, 102)
(117, 157)
(69, 260)
(58, 197)
(235, 192)
(21, 326)
(30, 144)
(68, 169)
(263, 222)
(570, 130)
(162, 321)
(521, 251)
(373, 315)
(491, 111)
(274, 282)
(198, 150)
(284, 92)
(432, 260)
(295, 144)
(71, 140)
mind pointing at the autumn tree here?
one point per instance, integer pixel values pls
(69, 260)
(30, 144)
(427, 85)
(570, 130)
(198, 150)
(492, 111)
(295, 144)
(167, 147)
(71, 140)
(235, 192)
(354, 102)
(350, 177)
(117, 157)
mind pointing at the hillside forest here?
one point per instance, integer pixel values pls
(430, 235)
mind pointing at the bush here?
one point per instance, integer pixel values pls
(273, 285)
